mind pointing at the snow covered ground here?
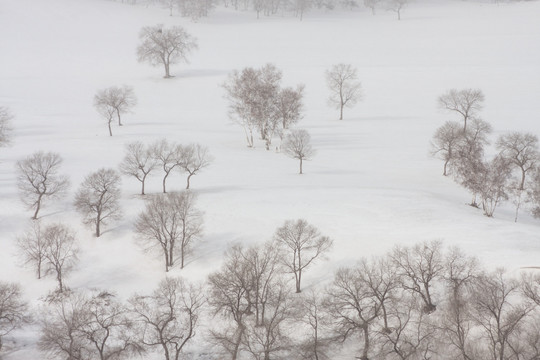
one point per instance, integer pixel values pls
(372, 183)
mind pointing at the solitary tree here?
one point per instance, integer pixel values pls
(170, 222)
(344, 87)
(31, 247)
(193, 158)
(303, 244)
(98, 198)
(5, 125)
(115, 99)
(13, 309)
(160, 45)
(38, 179)
(60, 251)
(168, 318)
(297, 145)
(465, 102)
(138, 162)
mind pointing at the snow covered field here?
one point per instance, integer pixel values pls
(372, 183)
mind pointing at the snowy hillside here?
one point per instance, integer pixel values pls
(372, 183)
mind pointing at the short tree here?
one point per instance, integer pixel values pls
(446, 142)
(305, 243)
(168, 156)
(138, 162)
(98, 198)
(344, 87)
(13, 309)
(168, 318)
(397, 5)
(193, 158)
(31, 246)
(297, 145)
(160, 45)
(60, 251)
(5, 125)
(170, 222)
(115, 99)
(38, 179)
(465, 102)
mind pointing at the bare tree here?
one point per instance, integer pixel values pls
(138, 162)
(98, 198)
(521, 150)
(445, 143)
(353, 307)
(344, 87)
(314, 315)
(168, 156)
(108, 113)
(170, 222)
(465, 102)
(372, 4)
(193, 158)
(419, 267)
(396, 6)
(290, 105)
(160, 45)
(5, 125)
(38, 179)
(297, 145)
(305, 243)
(13, 309)
(60, 251)
(80, 327)
(168, 318)
(499, 312)
(493, 182)
(533, 194)
(31, 246)
(115, 99)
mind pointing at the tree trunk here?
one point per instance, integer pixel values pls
(38, 206)
(366, 343)
(59, 278)
(142, 184)
(341, 112)
(167, 75)
(301, 166)
(110, 130)
(188, 178)
(119, 120)
(98, 231)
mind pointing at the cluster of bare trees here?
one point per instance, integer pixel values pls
(258, 103)
(140, 160)
(193, 9)
(510, 174)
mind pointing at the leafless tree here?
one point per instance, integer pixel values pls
(108, 113)
(165, 46)
(297, 145)
(60, 251)
(533, 194)
(304, 242)
(530, 285)
(397, 6)
(521, 150)
(353, 307)
(466, 102)
(494, 177)
(372, 4)
(230, 296)
(419, 267)
(13, 309)
(168, 318)
(170, 222)
(168, 156)
(344, 88)
(31, 246)
(138, 162)
(499, 312)
(82, 327)
(269, 339)
(5, 125)
(115, 99)
(314, 315)
(301, 7)
(193, 158)
(98, 198)
(445, 142)
(290, 105)
(169, 4)
(38, 179)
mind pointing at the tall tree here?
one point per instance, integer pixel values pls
(31, 246)
(193, 158)
(165, 46)
(466, 102)
(98, 198)
(138, 162)
(345, 90)
(38, 179)
(297, 145)
(168, 156)
(115, 99)
(304, 242)
(13, 309)
(60, 251)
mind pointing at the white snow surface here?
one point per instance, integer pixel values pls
(372, 183)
